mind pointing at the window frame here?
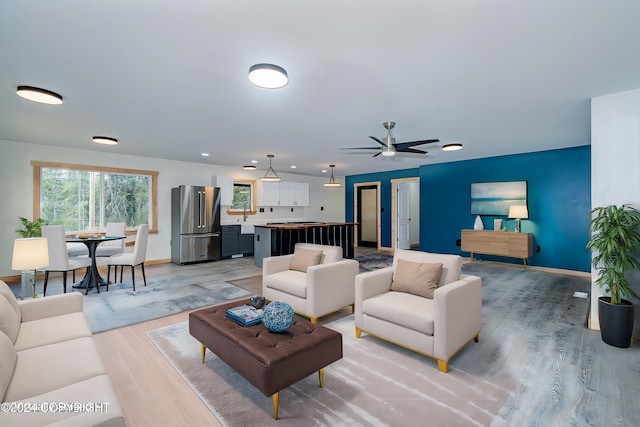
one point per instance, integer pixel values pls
(37, 183)
(252, 209)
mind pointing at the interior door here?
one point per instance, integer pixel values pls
(403, 220)
(367, 216)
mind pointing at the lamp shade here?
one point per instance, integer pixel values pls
(519, 212)
(30, 253)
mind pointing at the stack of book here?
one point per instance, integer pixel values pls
(245, 315)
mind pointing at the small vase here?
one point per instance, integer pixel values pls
(478, 225)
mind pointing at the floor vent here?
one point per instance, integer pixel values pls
(577, 294)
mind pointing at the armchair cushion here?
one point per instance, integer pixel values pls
(451, 264)
(305, 258)
(289, 281)
(402, 308)
(417, 278)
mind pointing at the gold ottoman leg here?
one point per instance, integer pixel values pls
(321, 377)
(276, 400)
(203, 349)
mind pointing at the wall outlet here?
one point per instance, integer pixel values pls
(261, 210)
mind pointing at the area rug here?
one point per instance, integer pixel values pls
(535, 364)
(374, 384)
(374, 261)
(161, 297)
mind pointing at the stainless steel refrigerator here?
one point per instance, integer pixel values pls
(195, 224)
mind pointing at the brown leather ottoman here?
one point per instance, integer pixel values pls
(269, 361)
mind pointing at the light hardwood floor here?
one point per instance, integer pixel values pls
(152, 393)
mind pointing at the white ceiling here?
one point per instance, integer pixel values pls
(169, 78)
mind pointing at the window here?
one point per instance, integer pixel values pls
(87, 197)
(244, 201)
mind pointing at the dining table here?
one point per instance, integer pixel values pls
(92, 278)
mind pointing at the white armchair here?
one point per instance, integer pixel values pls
(324, 288)
(438, 327)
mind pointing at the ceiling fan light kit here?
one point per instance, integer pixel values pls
(270, 175)
(268, 76)
(36, 94)
(332, 181)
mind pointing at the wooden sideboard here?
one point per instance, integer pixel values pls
(501, 243)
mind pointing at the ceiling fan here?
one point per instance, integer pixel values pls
(389, 146)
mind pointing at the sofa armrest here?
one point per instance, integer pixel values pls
(331, 286)
(457, 317)
(370, 284)
(276, 264)
(55, 305)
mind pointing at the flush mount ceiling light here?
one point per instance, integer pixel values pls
(270, 175)
(332, 181)
(452, 147)
(106, 140)
(268, 76)
(249, 167)
(42, 96)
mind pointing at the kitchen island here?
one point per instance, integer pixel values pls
(273, 239)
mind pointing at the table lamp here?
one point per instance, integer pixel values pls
(518, 212)
(29, 254)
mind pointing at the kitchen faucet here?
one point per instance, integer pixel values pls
(244, 213)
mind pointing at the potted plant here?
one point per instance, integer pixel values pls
(31, 228)
(615, 243)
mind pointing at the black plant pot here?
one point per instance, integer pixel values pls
(616, 322)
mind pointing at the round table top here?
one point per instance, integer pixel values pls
(94, 238)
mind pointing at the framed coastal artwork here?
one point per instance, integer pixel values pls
(495, 198)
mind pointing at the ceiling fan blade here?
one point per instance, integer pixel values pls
(361, 148)
(378, 141)
(411, 150)
(401, 145)
(377, 154)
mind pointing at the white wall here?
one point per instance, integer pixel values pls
(17, 191)
(615, 167)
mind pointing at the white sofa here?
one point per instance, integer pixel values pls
(437, 327)
(48, 360)
(323, 289)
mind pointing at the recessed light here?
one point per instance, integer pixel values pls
(268, 76)
(293, 166)
(36, 94)
(105, 140)
(452, 147)
(249, 167)
(204, 154)
(324, 171)
(254, 161)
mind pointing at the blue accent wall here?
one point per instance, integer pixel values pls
(559, 193)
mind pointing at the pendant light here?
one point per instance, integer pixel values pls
(270, 175)
(332, 182)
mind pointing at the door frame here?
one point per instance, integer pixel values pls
(355, 209)
(394, 207)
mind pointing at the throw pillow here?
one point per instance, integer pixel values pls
(417, 278)
(304, 258)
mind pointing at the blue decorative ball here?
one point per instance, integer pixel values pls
(277, 316)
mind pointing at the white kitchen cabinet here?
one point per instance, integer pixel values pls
(283, 193)
(268, 193)
(225, 183)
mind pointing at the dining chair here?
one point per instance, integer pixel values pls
(132, 259)
(112, 247)
(59, 259)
